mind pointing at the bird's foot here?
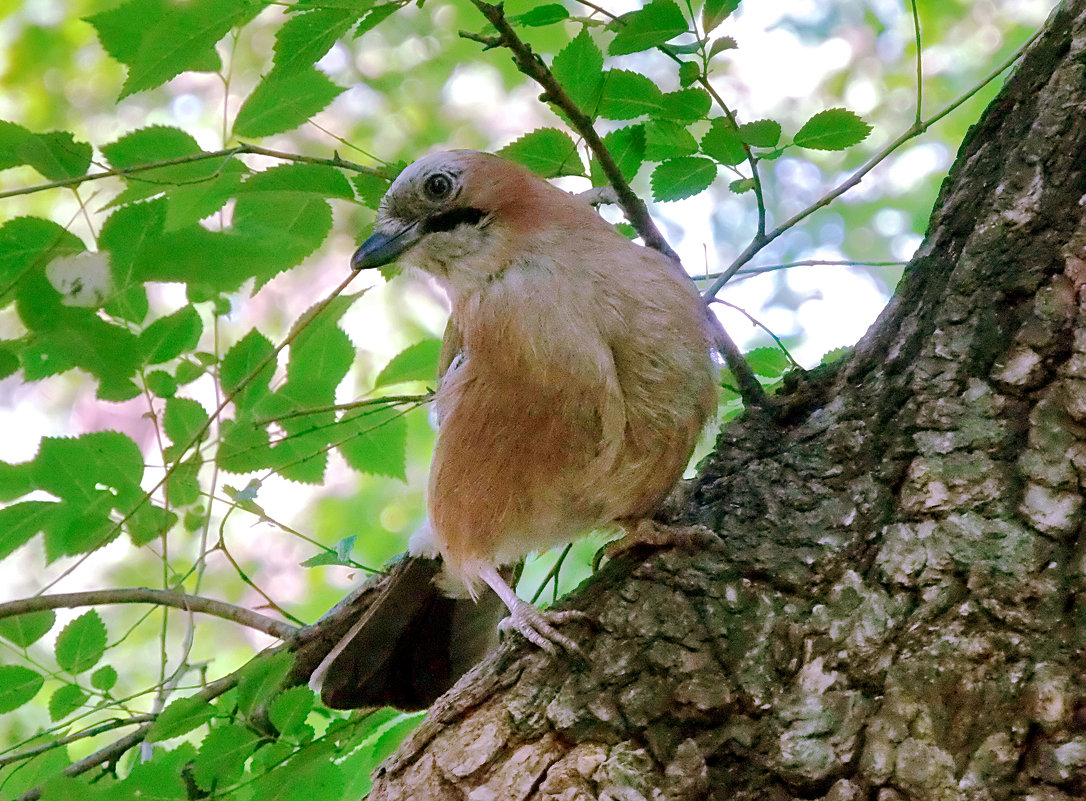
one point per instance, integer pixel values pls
(645, 532)
(538, 627)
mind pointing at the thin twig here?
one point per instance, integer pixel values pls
(226, 153)
(755, 321)
(147, 595)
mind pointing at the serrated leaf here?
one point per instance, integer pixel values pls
(371, 188)
(17, 686)
(81, 643)
(689, 72)
(183, 484)
(183, 419)
(66, 700)
(25, 630)
(221, 760)
(104, 678)
(340, 554)
(304, 39)
(741, 185)
(627, 148)
(374, 440)
(547, 152)
(284, 100)
(723, 143)
(175, 37)
(243, 447)
(628, 95)
(316, 179)
(665, 139)
(833, 129)
(290, 708)
(652, 25)
(21, 521)
(261, 679)
(417, 362)
(180, 717)
(161, 384)
(768, 362)
(685, 105)
(168, 337)
(715, 12)
(547, 14)
(835, 354)
(761, 133)
(56, 154)
(682, 177)
(28, 242)
(722, 44)
(247, 369)
(579, 69)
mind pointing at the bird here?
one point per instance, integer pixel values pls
(577, 369)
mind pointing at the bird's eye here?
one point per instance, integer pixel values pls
(437, 186)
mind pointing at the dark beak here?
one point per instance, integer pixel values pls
(385, 246)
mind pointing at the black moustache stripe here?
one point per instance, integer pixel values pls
(448, 220)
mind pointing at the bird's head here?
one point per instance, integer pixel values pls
(459, 216)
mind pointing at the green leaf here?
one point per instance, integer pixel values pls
(340, 554)
(628, 95)
(627, 148)
(284, 100)
(547, 152)
(666, 140)
(29, 242)
(237, 373)
(833, 129)
(183, 484)
(715, 12)
(547, 14)
(741, 185)
(243, 447)
(374, 440)
(169, 38)
(180, 717)
(160, 779)
(835, 354)
(290, 708)
(689, 71)
(374, 17)
(685, 105)
(305, 38)
(723, 143)
(371, 188)
(722, 44)
(25, 630)
(262, 679)
(221, 760)
(653, 25)
(417, 362)
(183, 419)
(161, 384)
(761, 133)
(284, 181)
(66, 700)
(81, 643)
(56, 155)
(168, 337)
(682, 177)
(768, 362)
(104, 678)
(17, 686)
(21, 521)
(579, 69)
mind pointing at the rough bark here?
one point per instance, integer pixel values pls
(894, 607)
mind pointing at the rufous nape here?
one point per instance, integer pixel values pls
(577, 373)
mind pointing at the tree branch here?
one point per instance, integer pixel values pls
(146, 595)
(121, 172)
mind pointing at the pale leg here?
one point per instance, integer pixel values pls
(533, 624)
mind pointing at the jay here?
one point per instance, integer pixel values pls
(576, 370)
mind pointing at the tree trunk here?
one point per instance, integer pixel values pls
(893, 609)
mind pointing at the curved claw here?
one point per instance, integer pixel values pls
(538, 627)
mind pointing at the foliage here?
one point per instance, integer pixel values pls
(133, 277)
